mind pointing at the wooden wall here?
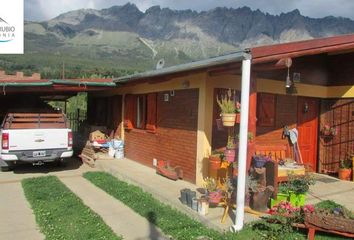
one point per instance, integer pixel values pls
(321, 69)
(337, 113)
(341, 69)
(219, 136)
(285, 114)
(105, 111)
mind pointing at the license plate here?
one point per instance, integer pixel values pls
(39, 154)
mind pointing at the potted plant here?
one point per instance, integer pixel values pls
(212, 191)
(258, 194)
(230, 151)
(328, 131)
(228, 109)
(215, 160)
(298, 186)
(238, 112)
(282, 195)
(345, 170)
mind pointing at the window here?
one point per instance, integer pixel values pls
(266, 110)
(140, 112)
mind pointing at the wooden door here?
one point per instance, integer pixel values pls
(307, 122)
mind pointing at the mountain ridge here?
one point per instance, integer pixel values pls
(123, 37)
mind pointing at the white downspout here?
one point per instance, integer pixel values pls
(242, 151)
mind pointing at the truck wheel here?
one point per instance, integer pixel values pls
(60, 163)
(5, 166)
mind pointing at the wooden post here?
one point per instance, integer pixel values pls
(252, 119)
(311, 234)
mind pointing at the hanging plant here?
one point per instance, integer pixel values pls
(328, 131)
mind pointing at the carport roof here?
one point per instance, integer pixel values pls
(53, 85)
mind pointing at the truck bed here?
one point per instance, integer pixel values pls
(34, 121)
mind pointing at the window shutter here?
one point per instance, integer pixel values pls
(129, 111)
(151, 112)
(266, 110)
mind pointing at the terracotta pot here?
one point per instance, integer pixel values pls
(214, 165)
(214, 162)
(228, 119)
(238, 118)
(344, 174)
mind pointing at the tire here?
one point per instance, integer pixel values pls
(5, 167)
(60, 163)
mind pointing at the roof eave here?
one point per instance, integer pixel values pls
(216, 61)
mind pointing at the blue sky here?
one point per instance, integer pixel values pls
(39, 10)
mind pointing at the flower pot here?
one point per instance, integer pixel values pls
(297, 200)
(258, 162)
(228, 119)
(230, 155)
(203, 207)
(238, 118)
(344, 174)
(259, 200)
(190, 196)
(281, 197)
(214, 198)
(214, 162)
(184, 193)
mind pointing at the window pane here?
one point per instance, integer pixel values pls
(141, 112)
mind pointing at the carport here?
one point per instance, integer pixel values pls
(31, 92)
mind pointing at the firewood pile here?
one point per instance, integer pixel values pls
(90, 154)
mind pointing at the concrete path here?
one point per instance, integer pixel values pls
(115, 214)
(166, 190)
(16, 218)
(330, 188)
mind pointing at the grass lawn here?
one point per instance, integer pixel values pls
(176, 224)
(62, 215)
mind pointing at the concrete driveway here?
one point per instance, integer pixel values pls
(17, 220)
(74, 167)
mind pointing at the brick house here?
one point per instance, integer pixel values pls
(170, 113)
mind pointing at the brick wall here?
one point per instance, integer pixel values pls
(176, 136)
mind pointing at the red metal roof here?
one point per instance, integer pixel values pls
(302, 48)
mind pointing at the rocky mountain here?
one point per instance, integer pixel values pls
(125, 37)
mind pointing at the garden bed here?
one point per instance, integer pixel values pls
(62, 215)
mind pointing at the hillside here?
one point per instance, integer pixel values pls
(122, 39)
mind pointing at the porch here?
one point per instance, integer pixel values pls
(168, 191)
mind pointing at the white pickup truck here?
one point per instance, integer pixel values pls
(34, 138)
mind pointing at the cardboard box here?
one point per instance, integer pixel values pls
(97, 136)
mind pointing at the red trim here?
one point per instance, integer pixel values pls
(302, 48)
